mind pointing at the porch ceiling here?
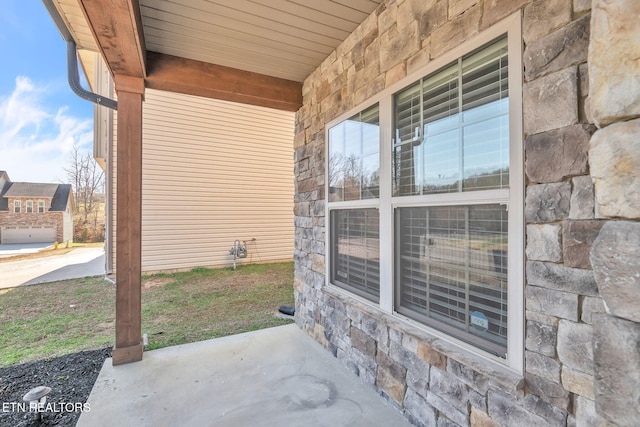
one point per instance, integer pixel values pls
(280, 38)
(271, 44)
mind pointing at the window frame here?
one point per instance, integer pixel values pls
(29, 205)
(386, 203)
(17, 206)
(41, 205)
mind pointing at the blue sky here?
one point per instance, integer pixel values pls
(40, 117)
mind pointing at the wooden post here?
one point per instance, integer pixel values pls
(129, 345)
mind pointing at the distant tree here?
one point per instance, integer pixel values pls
(87, 179)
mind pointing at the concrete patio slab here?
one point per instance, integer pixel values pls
(276, 376)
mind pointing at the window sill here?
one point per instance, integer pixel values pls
(499, 375)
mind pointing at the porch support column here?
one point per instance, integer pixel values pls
(130, 91)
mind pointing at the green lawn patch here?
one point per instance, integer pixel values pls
(48, 320)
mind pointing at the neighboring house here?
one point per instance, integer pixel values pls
(34, 212)
(466, 186)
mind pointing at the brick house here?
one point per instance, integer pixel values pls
(35, 212)
(467, 235)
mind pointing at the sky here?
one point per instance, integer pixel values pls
(40, 117)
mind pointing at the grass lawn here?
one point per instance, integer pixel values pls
(48, 320)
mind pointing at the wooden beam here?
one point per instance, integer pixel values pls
(129, 345)
(117, 28)
(182, 75)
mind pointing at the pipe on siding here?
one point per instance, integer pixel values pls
(72, 62)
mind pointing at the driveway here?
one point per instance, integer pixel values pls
(22, 248)
(81, 262)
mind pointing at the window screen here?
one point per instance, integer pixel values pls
(451, 127)
(451, 266)
(355, 250)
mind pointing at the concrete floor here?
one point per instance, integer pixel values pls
(277, 376)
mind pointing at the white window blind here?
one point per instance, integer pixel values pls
(452, 269)
(451, 127)
(355, 249)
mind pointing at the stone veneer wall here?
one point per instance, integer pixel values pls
(582, 356)
(22, 219)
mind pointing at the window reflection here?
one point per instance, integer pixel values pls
(354, 157)
(452, 128)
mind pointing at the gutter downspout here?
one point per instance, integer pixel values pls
(72, 62)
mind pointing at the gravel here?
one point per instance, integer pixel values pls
(71, 378)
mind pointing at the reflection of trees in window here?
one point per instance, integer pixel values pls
(354, 157)
(349, 179)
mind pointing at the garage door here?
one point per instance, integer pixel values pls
(27, 235)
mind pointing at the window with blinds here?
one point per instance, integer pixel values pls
(452, 136)
(447, 217)
(451, 263)
(353, 178)
(452, 129)
(354, 155)
(355, 249)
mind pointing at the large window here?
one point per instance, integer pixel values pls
(16, 206)
(452, 136)
(29, 206)
(425, 200)
(40, 206)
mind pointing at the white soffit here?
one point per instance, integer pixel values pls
(77, 24)
(280, 38)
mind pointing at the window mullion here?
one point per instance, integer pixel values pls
(385, 208)
(460, 129)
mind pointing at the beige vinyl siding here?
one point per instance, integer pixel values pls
(214, 172)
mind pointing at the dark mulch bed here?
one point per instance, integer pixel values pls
(70, 377)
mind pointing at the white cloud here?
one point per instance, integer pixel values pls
(35, 139)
